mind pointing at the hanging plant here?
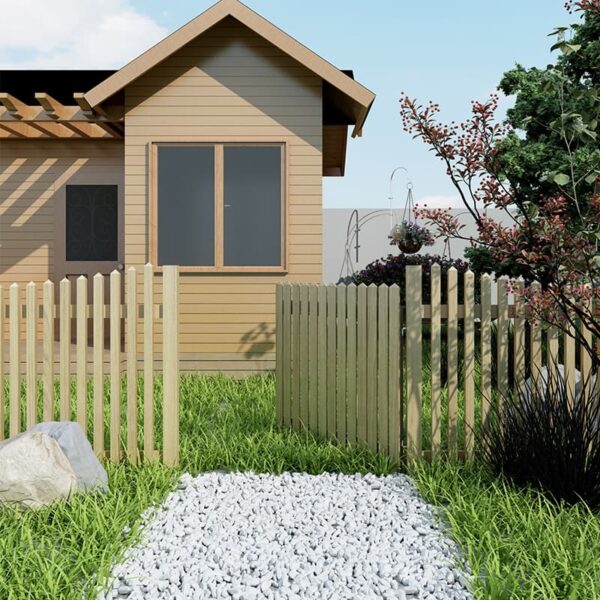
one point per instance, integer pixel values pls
(410, 237)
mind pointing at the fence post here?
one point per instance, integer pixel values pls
(436, 360)
(14, 359)
(452, 356)
(469, 358)
(171, 366)
(502, 341)
(115, 365)
(132, 364)
(30, 356)
(413, 360)
(48, 350)
(149, 453)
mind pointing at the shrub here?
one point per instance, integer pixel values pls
(390, 271)
(547, 438)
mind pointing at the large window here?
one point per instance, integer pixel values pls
(220, 207)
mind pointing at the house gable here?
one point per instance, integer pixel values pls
(352, 98)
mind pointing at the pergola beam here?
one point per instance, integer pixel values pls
(53, 119)
(14, 106)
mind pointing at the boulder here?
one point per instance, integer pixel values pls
(78, 450)
(34, 471)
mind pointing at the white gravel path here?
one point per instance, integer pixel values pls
(245, 536)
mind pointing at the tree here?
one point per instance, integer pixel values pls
(544, 179)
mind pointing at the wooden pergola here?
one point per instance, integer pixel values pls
(52, 119)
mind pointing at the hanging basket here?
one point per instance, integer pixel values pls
(403, 237)
(410, 246)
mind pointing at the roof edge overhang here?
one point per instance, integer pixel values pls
(356, 93)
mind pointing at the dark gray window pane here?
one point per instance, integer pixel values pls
(252, 187)
(186, 206)
(92, 222)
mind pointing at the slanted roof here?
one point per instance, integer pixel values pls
(353, 99)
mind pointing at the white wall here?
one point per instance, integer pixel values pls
(373, 239)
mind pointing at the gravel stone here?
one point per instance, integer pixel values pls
(250, 536)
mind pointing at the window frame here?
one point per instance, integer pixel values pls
(219, 224)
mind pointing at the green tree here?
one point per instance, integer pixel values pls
(553, 142)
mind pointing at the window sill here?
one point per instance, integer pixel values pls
(230, 270)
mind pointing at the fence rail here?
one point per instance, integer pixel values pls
(32, 366)
(352, 360)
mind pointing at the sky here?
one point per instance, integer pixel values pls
(452, 52)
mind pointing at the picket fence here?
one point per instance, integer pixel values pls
(350, 361)
(41, 322)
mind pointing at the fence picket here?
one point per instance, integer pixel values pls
(149, 451)
(519, 338)
(322, 360)
(81, 352)
(115, 370)
(279, 371)
(2, 309)
(469, 360)
(553, 353)
(312, 358)
(98, 368)
(452, 358)
(132, 364)
(361, 359)
(341, 404)
(286, 340)
(436, 360)
(351, 374)
(371, 397)
(171, 366)
(536, 346)
(569, 360)
(502, 338)
(303, 399)
(413, 361)
(65, 350)
(395, 378)
(383, 408)
(14, 359)
(295, 411)
(30, 353)
(331, 362)
(48, 351)
(486, 345)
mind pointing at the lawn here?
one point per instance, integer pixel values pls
(519, 545)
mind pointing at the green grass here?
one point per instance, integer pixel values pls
(65, 550)
(518, 545)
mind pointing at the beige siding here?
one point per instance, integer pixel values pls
(229, 85)
(33, 174)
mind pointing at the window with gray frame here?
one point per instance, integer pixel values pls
(92, 222)
(234, 222)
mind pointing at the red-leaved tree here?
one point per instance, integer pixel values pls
(554, 240)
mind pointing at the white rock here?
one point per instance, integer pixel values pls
(78, 450)
(34, 471)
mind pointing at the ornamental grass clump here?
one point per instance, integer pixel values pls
(548, 438)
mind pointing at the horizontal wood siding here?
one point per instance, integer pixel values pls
(229, 85)
(33, 176)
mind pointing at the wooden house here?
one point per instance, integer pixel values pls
(207, 151)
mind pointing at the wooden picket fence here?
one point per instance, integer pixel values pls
(36, 358)
(350, 361)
